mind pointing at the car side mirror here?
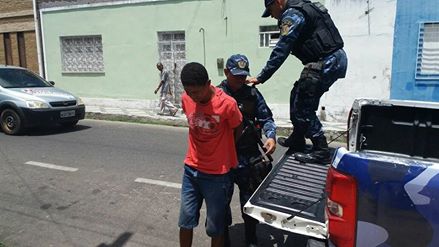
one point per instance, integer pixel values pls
(52, 82)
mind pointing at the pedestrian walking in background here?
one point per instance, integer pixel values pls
(165, 92)
(257, 115)
(214, 119)
(307, 32)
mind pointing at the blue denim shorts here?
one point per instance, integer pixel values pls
(215, 190)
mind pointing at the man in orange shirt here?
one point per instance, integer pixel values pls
(214, 121)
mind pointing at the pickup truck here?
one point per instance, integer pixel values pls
(382, 190)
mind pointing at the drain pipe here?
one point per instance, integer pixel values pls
(204, 45)
(38, 38)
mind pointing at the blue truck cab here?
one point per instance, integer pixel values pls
(381, 190)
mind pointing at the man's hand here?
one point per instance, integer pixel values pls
(270, 145)
(252, 80)
(155, 91)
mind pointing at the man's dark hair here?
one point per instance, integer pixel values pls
(194, 74)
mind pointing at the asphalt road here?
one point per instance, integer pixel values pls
(101, 184)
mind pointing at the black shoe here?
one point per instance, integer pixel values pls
(294, 145)
(320, 153)
(318, 157)
(283, 142)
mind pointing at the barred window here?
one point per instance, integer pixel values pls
(172, 45)
(82, 54)
(427, 64)
(268, 36)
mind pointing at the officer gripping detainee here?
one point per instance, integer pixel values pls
(255, 112)
(308, 32)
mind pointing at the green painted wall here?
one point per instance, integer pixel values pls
(129, 37)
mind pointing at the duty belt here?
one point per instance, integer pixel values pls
(315, 65)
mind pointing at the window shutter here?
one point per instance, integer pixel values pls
(83, 54)
(427, 63)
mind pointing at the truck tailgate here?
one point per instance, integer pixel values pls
(292, 198)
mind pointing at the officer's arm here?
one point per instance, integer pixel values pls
(265, 117)
(235, 120)
(291, 24)
(237, 132)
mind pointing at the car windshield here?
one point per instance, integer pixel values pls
(20, 78)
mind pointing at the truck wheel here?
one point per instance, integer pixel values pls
(11, 123)
(316, 243)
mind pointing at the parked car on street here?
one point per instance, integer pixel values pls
(27, 100)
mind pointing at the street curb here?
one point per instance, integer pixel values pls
(169, 121)
(182, 122)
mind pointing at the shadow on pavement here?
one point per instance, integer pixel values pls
(120, 241)
(54, 130)
(267, 236)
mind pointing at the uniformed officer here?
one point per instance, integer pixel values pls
(308, 32)
(255, 113)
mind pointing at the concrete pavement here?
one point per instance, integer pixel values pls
(147, 111)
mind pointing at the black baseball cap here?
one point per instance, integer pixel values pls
(267, 11)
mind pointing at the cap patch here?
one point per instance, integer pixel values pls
(242, 64)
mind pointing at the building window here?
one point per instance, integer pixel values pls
(268, 36)
(21, 49)
(7, 48)
(427, 64)
(82, 54)
(172, 46)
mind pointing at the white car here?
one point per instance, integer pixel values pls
(27, 100)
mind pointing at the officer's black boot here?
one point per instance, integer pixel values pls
(320, 153)
(295, 142)
(250, 232)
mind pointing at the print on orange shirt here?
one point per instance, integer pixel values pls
(205, 124)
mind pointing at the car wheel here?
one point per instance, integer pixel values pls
(11, 122)
(69, 124)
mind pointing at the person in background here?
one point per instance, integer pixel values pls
(165, 92)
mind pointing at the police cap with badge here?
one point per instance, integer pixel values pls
(238, 65)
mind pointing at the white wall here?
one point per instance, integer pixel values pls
(369, 55)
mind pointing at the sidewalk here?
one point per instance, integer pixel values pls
(145, 111)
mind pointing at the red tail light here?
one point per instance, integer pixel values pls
(341, 208)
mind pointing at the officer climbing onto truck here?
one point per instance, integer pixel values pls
(307, 32)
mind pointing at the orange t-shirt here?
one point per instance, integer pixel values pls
(211, 144)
